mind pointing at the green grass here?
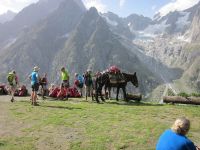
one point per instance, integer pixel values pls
(89, 126)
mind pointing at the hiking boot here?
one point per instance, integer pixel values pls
(12, 100)
(36, 104)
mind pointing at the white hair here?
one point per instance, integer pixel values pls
(181, 126)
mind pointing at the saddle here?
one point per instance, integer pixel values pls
(116, 78)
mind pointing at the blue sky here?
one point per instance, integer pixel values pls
(144, 7)
(121, 7)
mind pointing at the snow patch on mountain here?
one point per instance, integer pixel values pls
(157, 28)
(184, 38)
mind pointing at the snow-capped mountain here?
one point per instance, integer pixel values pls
(176, 22)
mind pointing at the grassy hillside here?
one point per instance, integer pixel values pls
(77, 124)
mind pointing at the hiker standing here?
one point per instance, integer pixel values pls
(34, 77)
(88, 83)
(78, 82)
(13, 82)
(65, 84)
(43, 83)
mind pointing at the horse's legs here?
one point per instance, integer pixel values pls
(86, 91)
(109, 93)
(124, 91)
(100, 92)
(117, 93)
(97, 94)
(105, 91)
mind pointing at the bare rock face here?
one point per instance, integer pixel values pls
(195, 30)
(26, 18)
(63, 33)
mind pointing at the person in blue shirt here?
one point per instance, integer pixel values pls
(34, 77)
(79, 81)
(175, 138)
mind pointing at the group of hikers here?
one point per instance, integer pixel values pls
(62, 92)
(92, 83)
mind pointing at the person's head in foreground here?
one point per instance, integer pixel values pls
(181, 126)
(175, 138)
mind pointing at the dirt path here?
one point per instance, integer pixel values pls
(47, 137)
(6, 98)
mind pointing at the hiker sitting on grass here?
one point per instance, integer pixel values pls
(13, 82)
(175, 138)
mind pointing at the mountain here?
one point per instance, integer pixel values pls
(137, 22)
(176, 22)
(68, 35)
(191, 77)
(194, 31)
(93, 45)
(39, 44)
(8, 16)
(128, 26)
(29, 16)
(118, 25)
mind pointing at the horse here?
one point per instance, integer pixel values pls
(104, 80)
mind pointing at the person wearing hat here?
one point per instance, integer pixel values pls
(34, 77)
(13, 82)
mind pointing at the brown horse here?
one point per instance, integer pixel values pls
(104, 80)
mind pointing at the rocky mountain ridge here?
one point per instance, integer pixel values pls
(69, 35)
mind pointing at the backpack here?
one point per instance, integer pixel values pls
(80, 79)
(114, 69)
(88, 79)
(10, 77)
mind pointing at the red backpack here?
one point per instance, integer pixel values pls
(114, 69)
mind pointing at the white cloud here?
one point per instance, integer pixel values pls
(14, 5)
(121, 3)
(97, 4)
(177, 5)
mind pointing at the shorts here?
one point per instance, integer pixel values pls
(44, 86)
(13, 86)
(35, 87)
(65, 84)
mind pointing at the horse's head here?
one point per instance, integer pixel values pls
(134, 80)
